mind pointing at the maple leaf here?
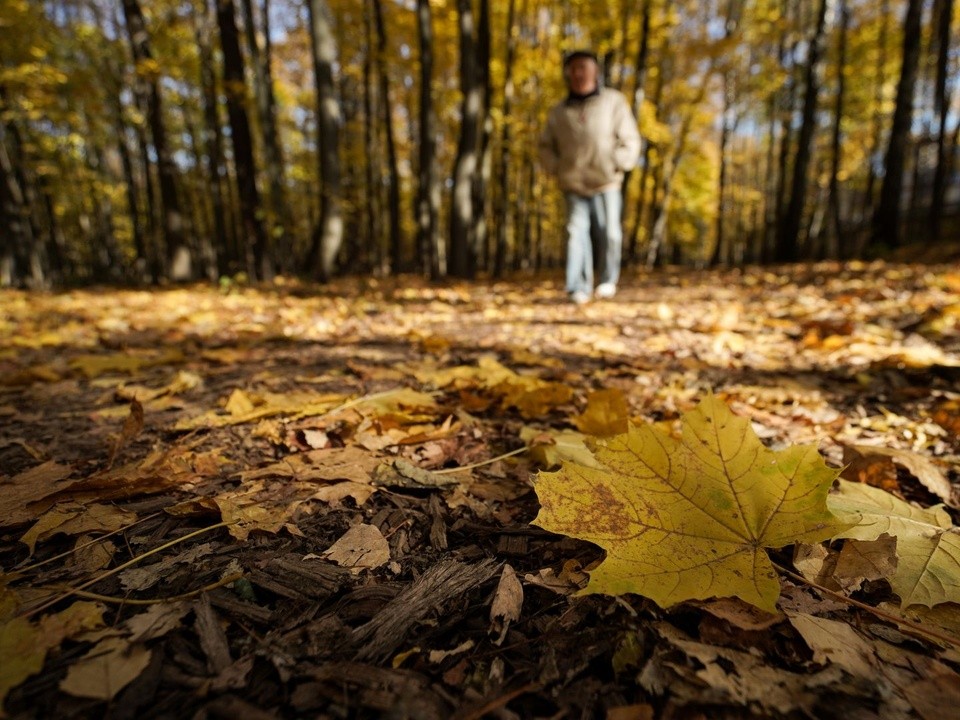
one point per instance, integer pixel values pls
(690, 518)
(928, 544)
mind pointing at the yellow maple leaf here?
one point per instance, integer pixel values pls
(691, 518)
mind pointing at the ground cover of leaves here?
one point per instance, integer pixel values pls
(331, 490)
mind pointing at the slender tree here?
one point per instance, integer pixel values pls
(886, 219)
(943, 15)
(178, 256)
(462, 221)
(225, 251)
(267, 114)
(328, 234)
(501, 214)
(789, 234)
(258, 262)
(393, 170)
(834, 246)
(481, 179)
(428, 188)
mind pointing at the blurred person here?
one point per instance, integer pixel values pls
(589, 142)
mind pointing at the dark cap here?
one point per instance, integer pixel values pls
(574, 54)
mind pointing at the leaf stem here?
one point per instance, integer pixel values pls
(154, 601)
(123, 566)
(78, 548)
(448, 471)
(910, 627)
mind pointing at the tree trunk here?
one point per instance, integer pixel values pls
(834, 248)
(20, 262)
(428, 188)
(373, 251)
(225, 250)
(870, 204)
(178, 259)
(500, 213)
(639, 94)
(393, 171)
(462, 223)
(258, 262)
(267, 112)
(789, 236)
(886, 219)
(721, 252)
(943, 14)
(328, 234)
(481, 181)
(634, 242)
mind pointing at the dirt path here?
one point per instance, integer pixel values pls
(301, 417)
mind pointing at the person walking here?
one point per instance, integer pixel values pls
(589, 142)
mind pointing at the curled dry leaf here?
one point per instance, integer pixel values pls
(928, 544)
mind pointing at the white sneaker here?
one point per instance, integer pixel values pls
(579, 297)
(606, 290)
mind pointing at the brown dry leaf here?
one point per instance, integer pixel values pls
(21, 490)
(834, 642)
(96, 365)
(931, 696)
(507, 603)
(533, 397)
(334, 494)
(255, 506)
(349, 463)
(732, 677)
(871, 469)
(146, 576)
(920, 466)
(244, 407)
(631, 712)
(606, 414)
(740, 614)
(72, 518)
(90, 556)
(862, 560)
(161, 470)
(132, 427)
(106, 669)
(182, 382)
(30, 375)
(816, 563)
(24, 645)
(362, 547)
(156, 621)
(946, 414)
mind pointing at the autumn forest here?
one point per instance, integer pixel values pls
(198, 139)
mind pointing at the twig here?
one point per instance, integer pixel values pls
(498, 702)
(78, 548)
(911, 627)
(113, 571)
(154, 601)
(447, 471)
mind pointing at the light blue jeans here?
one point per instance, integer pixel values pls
(601, 214)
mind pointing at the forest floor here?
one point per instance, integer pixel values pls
(248, 502)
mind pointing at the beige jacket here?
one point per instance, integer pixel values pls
(589, 144)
